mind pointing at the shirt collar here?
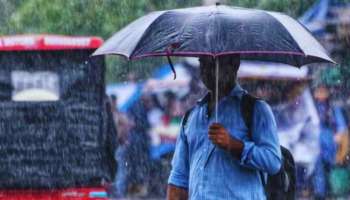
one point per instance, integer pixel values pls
(237, 91)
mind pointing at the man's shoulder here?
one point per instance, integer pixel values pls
(263, 110)
(257, 102)
(262, 104)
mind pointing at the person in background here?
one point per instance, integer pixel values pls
(164, 132)
(139, 164)
(332, 129)
(173, 109)
(124, 125)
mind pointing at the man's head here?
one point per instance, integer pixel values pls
(228, 67)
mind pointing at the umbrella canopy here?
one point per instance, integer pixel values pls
(216, 31)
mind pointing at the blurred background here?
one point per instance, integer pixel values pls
(311, 104)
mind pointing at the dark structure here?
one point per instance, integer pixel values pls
(67, 142)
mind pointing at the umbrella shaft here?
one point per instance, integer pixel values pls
(216, 88)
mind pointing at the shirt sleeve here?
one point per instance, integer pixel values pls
(179, 174)
(263, 152)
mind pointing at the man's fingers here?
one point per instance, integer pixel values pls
(216, 126)
(216, 139)
(216, 132)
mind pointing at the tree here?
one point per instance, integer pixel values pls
(7, 7)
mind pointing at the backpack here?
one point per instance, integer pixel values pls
(281, 186)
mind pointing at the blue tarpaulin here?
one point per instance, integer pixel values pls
(317, 17)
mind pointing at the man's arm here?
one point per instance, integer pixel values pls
(179, 175)
(264, 152)
(176, 193)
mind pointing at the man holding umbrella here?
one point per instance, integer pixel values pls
(217, 160)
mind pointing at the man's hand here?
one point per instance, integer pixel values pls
(176, 193)
(221, 137)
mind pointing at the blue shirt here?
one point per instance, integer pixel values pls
(209, 172)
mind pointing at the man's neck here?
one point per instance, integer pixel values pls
(223, 92)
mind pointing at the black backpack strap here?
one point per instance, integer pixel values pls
(247, 111)
(184, 120)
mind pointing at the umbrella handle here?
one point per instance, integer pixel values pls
(171, 66)
(169, 50)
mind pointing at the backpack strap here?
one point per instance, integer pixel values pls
(185, 119)
(247, 111)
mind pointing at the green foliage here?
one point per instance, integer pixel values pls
(291, 7)
(78, 17)
(7, 7)
(83, 17)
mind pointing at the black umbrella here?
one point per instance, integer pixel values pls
(216, 31)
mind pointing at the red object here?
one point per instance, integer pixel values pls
(51, 43)
(48, 42)
(166, 119)
(56, 194)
